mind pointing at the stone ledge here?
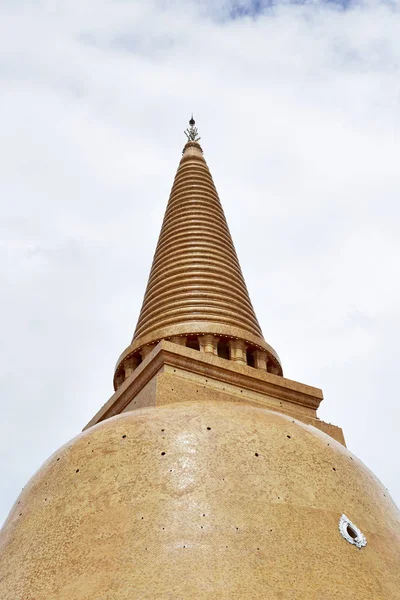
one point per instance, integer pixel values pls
(293, 393)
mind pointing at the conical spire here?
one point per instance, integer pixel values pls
(196, 286)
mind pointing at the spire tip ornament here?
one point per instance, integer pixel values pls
(191, 132)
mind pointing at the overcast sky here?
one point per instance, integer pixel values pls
(298, 106)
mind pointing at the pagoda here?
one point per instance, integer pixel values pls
(207, 474)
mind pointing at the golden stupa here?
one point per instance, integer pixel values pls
(207, 474)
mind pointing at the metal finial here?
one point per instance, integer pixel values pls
(191, 132)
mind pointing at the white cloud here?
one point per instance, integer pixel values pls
(299, 115)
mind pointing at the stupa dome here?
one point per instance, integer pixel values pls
(201, 500)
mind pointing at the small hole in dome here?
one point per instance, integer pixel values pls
(163, 430)
(162, 453)
(124, 436)
(288, 436)
(256, 454)
(77, 471)
(334, 468)
(208, 428)
(58, 459)
(351, 532)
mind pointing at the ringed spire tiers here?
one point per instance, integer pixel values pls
(196, 287)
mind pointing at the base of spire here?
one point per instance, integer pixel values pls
(172, 373)
(232, 336)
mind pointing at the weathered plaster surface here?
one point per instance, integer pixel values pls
(200, 500)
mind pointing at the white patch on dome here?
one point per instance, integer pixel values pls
(351, 532)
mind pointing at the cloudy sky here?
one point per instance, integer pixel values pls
(298, 106)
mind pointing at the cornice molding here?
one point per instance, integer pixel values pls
(214, 367)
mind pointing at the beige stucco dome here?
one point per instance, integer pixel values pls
(200, 500)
